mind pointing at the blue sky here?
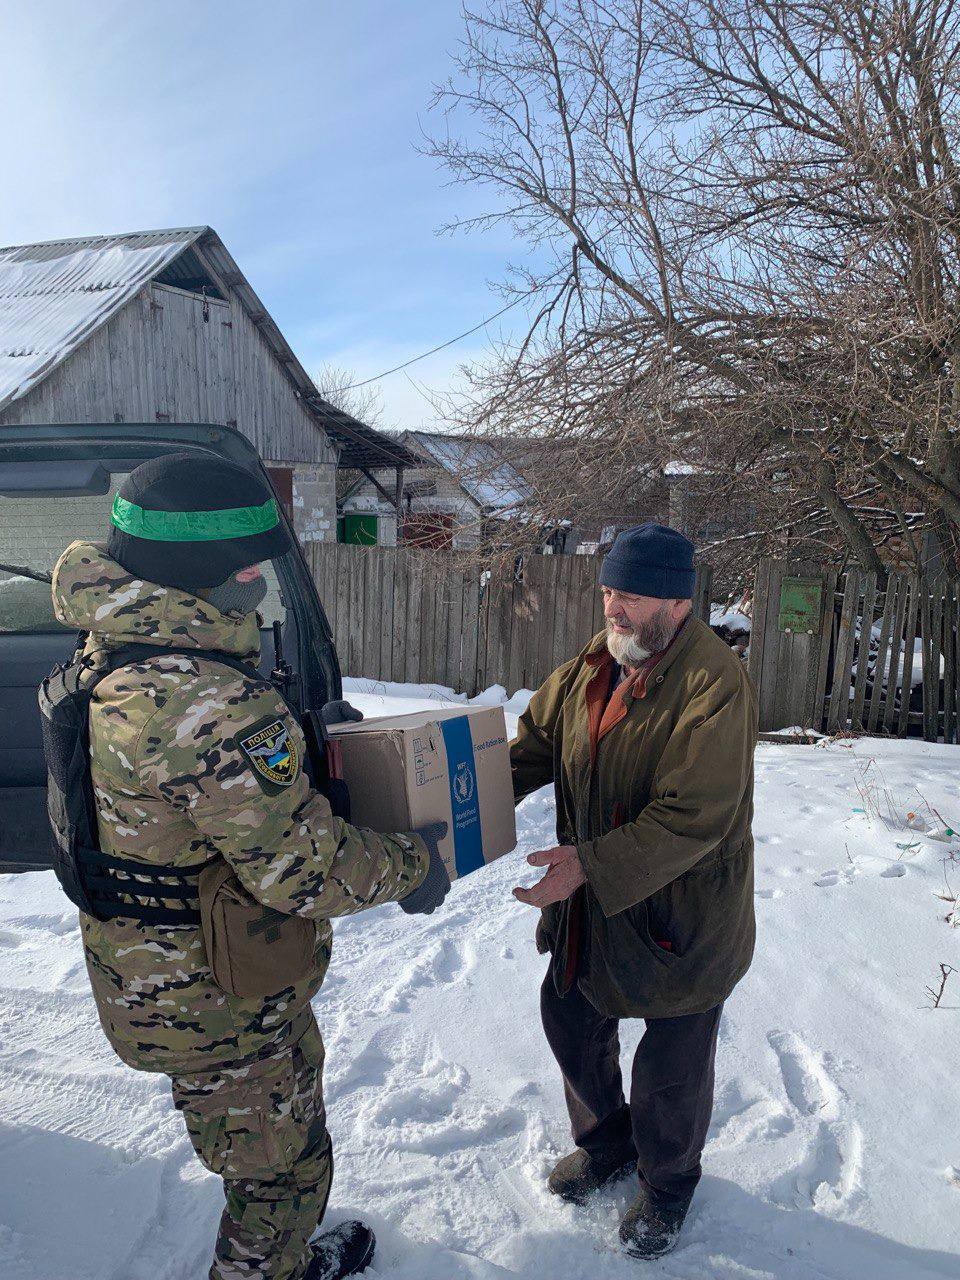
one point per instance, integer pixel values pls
(289, 127)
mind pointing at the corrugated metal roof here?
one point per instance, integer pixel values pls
(54, 295)
(361, 446)
(478, 467)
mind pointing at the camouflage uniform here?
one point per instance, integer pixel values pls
(173, 788)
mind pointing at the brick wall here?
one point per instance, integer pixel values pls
(314, 500)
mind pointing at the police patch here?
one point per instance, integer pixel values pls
(273, 754)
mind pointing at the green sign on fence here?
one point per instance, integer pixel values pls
(801, 602)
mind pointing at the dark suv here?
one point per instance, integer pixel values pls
(56, 485)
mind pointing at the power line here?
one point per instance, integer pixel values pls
(483, 323)
(433, 350)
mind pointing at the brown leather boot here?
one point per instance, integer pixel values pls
(649, 1231)
(579, 1174)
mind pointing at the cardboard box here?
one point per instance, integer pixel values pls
(454, 764)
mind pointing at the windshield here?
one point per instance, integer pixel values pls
(36, 528)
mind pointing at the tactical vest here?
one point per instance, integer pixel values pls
(104, 886)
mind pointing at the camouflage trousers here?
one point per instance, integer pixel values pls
(262, 1127)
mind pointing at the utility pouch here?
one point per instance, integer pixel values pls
(252, 950)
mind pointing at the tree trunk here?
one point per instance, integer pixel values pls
(856, 536)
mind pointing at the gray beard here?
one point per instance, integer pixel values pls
(625, 649)
(236, 597)
(632, 650)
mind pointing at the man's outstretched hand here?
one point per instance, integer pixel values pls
(564, 876)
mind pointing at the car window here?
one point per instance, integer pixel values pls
(35, 529)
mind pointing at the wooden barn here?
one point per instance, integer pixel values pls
(163, 326)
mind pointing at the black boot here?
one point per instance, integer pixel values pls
(345, 1251)
(579, 1174)
(649, 1231)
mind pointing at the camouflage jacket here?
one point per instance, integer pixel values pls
(177, 779)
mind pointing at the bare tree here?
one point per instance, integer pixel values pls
(365, 403)
(745, 220)
(338, 387)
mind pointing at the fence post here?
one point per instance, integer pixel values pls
(467, 678)
(863, 651)
(909, 641)
(759, 629)
(701, 592)
(896, 638)
(843, 659)
(883, 645)
(949, 663)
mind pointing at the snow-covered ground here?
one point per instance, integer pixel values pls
(834, 1152)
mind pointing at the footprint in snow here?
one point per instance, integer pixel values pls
(364, 1070)
(436, 1114)
(829, 1174)
(894, 871)
(442, 963)
(738, 1118)
(806, 1081)
(827, 879)
(423, 1104)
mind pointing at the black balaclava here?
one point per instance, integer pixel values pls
(232, 596)
(191, 521)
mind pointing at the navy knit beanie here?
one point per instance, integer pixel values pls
(650, 560)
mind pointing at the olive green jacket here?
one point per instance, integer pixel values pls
(659, 807)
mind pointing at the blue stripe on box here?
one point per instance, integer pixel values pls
(464, 801)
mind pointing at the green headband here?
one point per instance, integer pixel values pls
(193, 526)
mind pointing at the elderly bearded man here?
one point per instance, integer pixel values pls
(648, 737)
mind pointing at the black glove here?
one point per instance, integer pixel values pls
(339, 710)
(436, 885)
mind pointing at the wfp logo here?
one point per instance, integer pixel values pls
(464, 784)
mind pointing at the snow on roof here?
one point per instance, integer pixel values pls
(54, 295)
(681, 469)
(478, 467)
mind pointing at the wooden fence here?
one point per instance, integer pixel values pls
(847, 659)
(409, 617)
(829, 651)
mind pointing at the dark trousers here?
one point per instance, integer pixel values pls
(671, 1089)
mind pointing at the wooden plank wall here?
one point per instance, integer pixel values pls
(169, 355)
(414, 617)
(855, 673)
(789, 669)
